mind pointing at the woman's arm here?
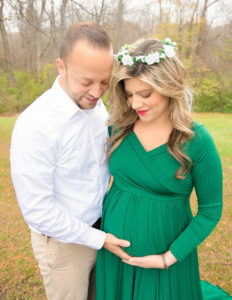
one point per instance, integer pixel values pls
(207, 179)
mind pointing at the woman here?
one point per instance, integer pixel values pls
(157, 155)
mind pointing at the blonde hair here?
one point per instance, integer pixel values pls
(169, 79)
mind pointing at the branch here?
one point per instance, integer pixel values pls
(44, 49)
(194, 11)
(215, 1)
(2, 4)
(42, 10)
(28, 21)
(83, 8)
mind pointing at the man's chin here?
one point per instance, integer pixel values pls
(88, 106)
(85, 105)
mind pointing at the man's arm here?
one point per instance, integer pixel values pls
(33, 160)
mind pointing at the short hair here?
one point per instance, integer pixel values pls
(89, 31)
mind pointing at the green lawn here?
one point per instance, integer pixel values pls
(19, 274)
(215, 256)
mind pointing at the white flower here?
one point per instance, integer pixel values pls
(123, 50)
(169, 50)
(139, 57)
(127, 60)
(162, 55)
(168, 40)
(152, 58)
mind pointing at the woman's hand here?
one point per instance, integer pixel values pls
(152, 261)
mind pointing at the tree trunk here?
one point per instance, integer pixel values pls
(202, 28)
(6, 47)
(62, 19)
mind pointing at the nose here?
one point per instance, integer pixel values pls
(96, 91)
(135, 103)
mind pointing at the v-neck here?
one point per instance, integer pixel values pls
(160, 149)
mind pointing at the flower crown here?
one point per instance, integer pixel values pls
(126, 59)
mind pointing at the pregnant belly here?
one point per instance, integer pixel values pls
(151, 225)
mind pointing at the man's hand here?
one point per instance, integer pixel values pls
(114, 245)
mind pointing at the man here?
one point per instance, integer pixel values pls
(59, 166)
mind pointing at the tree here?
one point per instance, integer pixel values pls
(6, 46)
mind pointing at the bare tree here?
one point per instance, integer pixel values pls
(39, 26)
(63, 17)
(190, 47)
(202, 32)
(118, 24)
(6, 46)
(30, 16)
(39, 46)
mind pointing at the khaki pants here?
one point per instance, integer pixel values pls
(68, 270)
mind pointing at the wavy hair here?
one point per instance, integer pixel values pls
(169, 79)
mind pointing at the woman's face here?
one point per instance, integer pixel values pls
(150, 105)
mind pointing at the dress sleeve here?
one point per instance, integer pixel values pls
(207, 180)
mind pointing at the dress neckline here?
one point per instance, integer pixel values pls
(157, 150)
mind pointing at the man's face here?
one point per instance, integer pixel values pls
(85, 73)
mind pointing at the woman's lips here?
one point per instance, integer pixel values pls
(141, 112)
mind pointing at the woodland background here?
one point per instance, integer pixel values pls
(31, 32)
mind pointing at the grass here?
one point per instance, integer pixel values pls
(19, 273)
(215, 256)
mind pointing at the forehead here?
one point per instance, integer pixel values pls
(136, 84)
(88, 61)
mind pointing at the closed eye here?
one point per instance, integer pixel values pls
(146, 96)
(105, 82)
(129, 95)
(86, 83)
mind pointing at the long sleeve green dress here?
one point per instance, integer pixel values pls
(149, 207)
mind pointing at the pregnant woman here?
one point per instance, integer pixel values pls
(158, 155)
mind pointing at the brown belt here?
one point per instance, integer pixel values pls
(97, 224)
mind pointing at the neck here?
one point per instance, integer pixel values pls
(161, 123)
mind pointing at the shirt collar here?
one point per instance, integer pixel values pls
(66, 104)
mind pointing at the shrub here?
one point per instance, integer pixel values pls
(213, 94)
(25, 90)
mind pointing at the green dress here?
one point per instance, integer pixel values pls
(149, 207)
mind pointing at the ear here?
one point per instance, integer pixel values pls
(60, 66)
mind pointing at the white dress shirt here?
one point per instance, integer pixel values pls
(59, 167)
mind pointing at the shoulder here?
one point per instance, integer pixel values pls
(39, 119)
(202, 144)
(201, 135)
(36, 108)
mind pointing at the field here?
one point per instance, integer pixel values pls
(19, 274)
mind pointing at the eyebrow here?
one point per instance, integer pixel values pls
(83, 78)
(89, 79)
(141, 91)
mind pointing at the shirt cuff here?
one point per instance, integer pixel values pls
(96, 238)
